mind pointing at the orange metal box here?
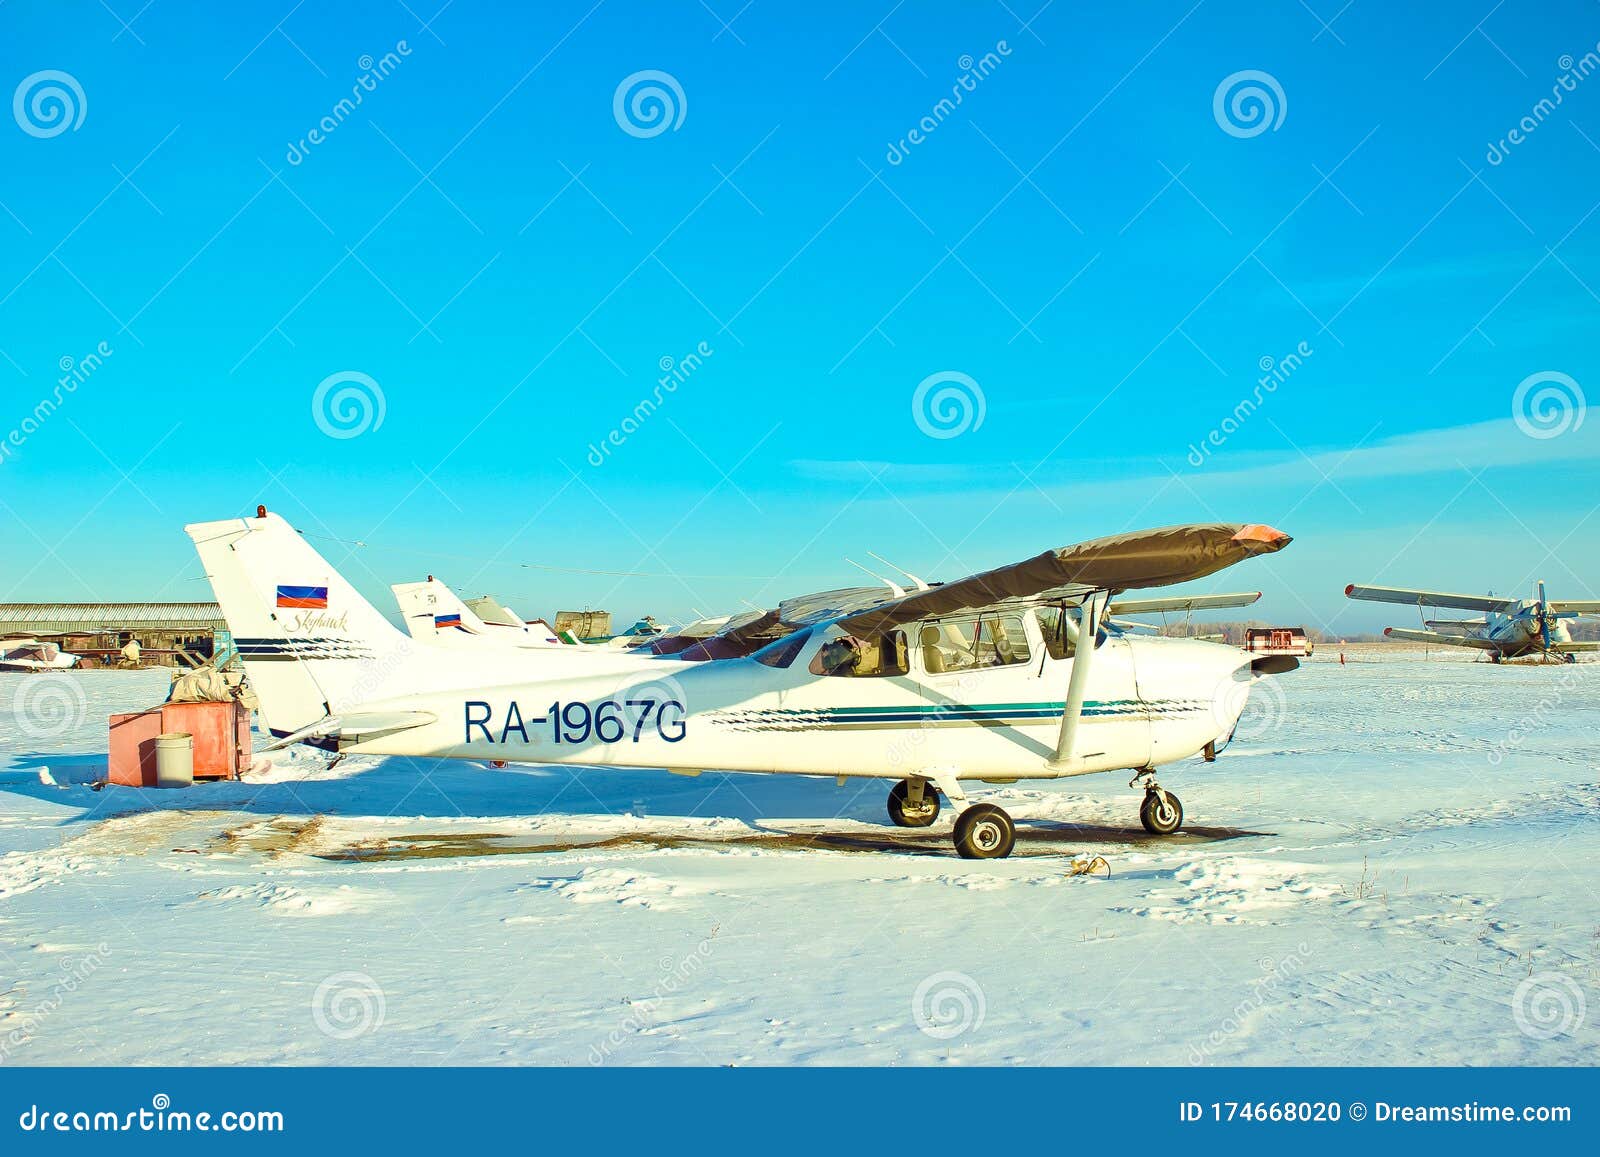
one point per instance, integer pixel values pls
(221, 736)
(221, 741)
(133, 748)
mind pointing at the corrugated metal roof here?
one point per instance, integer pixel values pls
(60, 618)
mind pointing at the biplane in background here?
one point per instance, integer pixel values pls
(1506, 628)
(1003, 676)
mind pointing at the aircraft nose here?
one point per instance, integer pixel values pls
(1259, 538)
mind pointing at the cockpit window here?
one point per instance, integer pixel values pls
(966, 644)
(1053, 625)
(863, 657)
(782, 652)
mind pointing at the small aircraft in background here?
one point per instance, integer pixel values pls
(434, 614)
(1118, 609)
(1002, 676)
(1507, 628)
(25, 653)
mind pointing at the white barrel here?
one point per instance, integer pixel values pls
(175, 759)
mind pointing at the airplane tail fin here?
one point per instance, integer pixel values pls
(431, 608)
(311, 645)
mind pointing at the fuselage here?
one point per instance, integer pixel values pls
(1149, 702)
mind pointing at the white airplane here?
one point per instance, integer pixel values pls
(23, 653)
(986, 678)
(434, 614)
(1509, 628)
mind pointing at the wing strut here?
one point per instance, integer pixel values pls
(1089, 615)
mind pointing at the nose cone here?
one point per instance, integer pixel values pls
(1259, 538)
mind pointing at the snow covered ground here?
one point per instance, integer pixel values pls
(1380, 871)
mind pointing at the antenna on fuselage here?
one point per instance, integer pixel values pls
(895, 588)
(920, 584)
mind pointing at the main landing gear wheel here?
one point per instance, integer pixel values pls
(984, 832)
(906, 814)
(1161, 813)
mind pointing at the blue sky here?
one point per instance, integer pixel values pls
(1104, 259)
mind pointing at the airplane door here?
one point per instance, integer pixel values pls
(1116, 720)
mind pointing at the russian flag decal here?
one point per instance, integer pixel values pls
(303, 598)
(445, 622)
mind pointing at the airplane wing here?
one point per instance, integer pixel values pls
(1582, 646)
(1430, 599)
(1574, 606)
(1180, 603)
(1145, 558)
(1442, 640)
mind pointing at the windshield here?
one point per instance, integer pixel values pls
(782, 653)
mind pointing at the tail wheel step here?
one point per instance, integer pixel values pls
(984, 832)
(905, 814)
(1161, 813)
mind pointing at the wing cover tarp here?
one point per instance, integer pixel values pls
(1146, 558)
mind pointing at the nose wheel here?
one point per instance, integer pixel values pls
(1161, 813)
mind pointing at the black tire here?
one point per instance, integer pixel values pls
(906, 817)
(984, 832)
(1157, 817)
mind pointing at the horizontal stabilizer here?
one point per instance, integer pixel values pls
(1181, 603)
(1430, 599)
(357, 727)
